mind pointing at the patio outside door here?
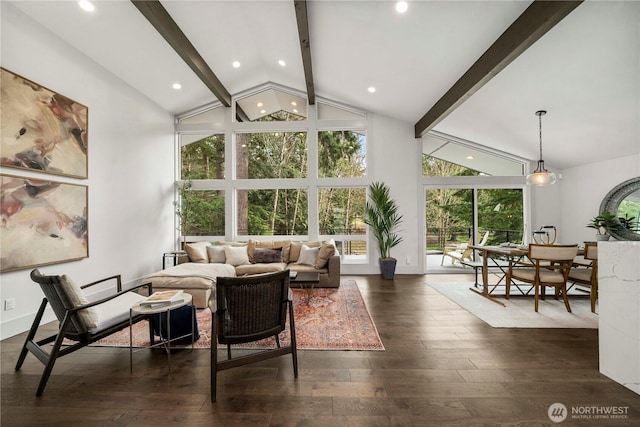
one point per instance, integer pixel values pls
(449, 227)
(456, 217)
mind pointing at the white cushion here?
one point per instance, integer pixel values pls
(77, 298)
(236, 255)
(216, 254)
(113, 311)
(546, 276)
(580, 274)
(308, 255)
(333, 243)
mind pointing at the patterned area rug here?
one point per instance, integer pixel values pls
(334, 319)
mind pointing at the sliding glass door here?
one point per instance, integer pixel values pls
(458, 217)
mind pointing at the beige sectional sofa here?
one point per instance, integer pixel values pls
(207, 261)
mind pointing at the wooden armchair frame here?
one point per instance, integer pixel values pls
(72, 326)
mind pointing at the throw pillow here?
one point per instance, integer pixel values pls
(333, 243)
(265, 256)
(308, 255)
(216, 254)
(253, 244)
(77, 298)
(327, 250)
(294, 251)
(236, 255)
(197, 251)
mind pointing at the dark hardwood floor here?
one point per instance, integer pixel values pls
(442, 366)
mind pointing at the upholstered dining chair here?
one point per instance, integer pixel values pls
(550, 267)
(246, 309)
(587, 274)
(82, 322)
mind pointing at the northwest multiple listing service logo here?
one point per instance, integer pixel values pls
(558, 412)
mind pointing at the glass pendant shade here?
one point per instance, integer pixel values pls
(541, 176)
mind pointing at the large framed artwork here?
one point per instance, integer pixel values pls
(41, 130)
(43, 222)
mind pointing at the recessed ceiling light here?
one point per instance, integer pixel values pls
(469, 157)
(282, 63)
(176, 86)
(295, 111)
(371, 89)
(294, 103)
(259, 104)
(235, 64)
(263, 111)
(402, 6)
(86, 5)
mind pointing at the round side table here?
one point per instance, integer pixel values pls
(149, 310)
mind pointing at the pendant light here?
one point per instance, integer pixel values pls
(541, 176)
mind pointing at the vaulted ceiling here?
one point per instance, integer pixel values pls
(585, 71)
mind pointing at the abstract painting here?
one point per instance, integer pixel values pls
(40, 129)
(43, 222)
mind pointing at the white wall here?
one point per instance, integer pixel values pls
(393, 158)
(583, 189)
(131, 166)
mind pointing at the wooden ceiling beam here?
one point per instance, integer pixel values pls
(158, 16)
(305, 47)
(532, 24)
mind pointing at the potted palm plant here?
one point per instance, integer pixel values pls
(183, 209)
(381, 214)
(603, 224)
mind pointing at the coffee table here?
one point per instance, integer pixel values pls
(305, 278)
(148, 310)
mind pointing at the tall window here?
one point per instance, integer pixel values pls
(278, 212)
(340, 213)
(341, 154)
(465, 156)
(272, 155)
(204, 212)
(202, 157)
(268, 167)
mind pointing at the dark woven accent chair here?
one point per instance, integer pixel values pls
(81, 321)
(247, 309)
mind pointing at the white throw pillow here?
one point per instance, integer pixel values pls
(308, 255)
(216, 254)
(77, 298)
(236, 255)
(333, 243)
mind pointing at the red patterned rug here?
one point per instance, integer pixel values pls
(334, 319)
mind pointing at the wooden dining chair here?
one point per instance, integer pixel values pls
(550, 267)
(587, 274)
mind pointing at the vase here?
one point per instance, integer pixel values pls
(602, 237)
(388, 268)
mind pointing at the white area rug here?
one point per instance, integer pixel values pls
(519, 310)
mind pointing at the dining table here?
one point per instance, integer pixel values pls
(512, 253)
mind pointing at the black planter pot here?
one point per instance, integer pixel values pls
(388, 268)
